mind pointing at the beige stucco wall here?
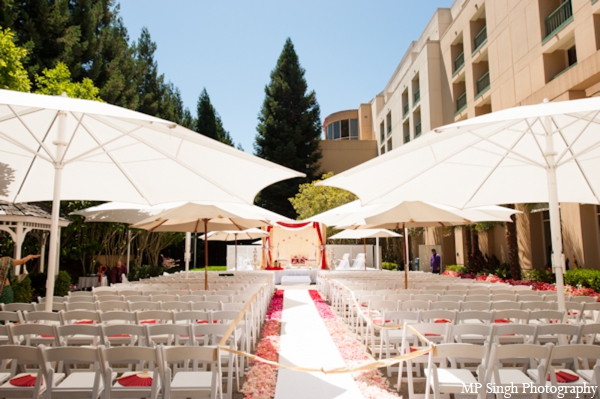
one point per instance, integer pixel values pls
(341, 155)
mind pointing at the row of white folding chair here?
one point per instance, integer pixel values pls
(390, 316)
(499, 334)
(446, 376)
(175, 372)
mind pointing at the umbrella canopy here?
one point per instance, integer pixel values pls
(548, 152)
(62, 148)
(422, 214)
(210, 216)
(120, 212)
(235, 235)
(364, 233)
(190, 216)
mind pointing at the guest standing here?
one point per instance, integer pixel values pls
(6, 269)
(435, 262)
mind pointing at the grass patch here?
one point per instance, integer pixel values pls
(210, 269)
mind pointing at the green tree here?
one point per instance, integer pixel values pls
(289, 130)
(58, 80)
(208, 121)
(150, 86)
(312, 199)
(88, 36)
(13, 75)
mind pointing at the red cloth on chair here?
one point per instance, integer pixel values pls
(443, 321)
(136, 380)
(563, 377)
(148, 321)
(502, 321)
(84, 322)
(431, 335)
(25, 380)
(119, 336)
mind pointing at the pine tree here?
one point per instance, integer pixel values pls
(289, 130)
(208, 121)
(150, 82)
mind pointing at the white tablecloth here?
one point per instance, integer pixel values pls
(86, 282)
(312, 273)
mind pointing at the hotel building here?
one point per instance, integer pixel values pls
(480, 56)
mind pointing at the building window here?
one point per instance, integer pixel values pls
(389, 145)
(382, 150)
(571, 56)
(336, 130)
(406, 132)
(330, 132)
(388, 121)
(353, 129)
(345, 129)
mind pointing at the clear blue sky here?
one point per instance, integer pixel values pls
(349, 49)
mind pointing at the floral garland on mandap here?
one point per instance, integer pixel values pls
(372, 384)
(261, 378)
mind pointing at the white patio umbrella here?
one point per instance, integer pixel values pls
(548, 152)
(235, 235)
(411, 214)
(364, 234)
(61, 148)
(209, 216)
(128, 213)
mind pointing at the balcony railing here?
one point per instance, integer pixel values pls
(406, 138)
(459, 62)
(483, 84)
(417, 129)
(461, 103)
(405, 110)
(416, 97)
(480, 39)
(558, 19)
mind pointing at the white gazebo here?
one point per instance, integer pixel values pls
(19, 219)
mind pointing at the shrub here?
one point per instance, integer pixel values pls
(539, 276)
(22, 291)
(583, 277)
(456, 268)
(389, 266)
(144, 271)
(62, 284)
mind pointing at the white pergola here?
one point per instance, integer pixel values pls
(19, 219)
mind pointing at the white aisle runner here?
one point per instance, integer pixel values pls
(306, 342)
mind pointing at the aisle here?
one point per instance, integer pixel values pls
(306, 342)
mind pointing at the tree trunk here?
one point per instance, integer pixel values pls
(513, 246)
(475, 241)
(469, 245)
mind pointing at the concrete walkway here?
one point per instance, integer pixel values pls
(306, 342)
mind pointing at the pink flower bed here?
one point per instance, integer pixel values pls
(261, 378)
(372, 384)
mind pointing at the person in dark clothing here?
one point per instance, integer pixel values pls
(113, 275)
(436, 262)
(122, 270)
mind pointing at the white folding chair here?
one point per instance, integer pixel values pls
(20, 357)
(143, 363)
(169, 334)
(117, 317)
(32, 334)
(184, 372)
(124, 335)
(534, 357)
(20, 307)
(78, 382)
(558, 334)
(448, 378)
(79, 334)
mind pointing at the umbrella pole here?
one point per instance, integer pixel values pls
(205, 254)
(61, 146)
(377, 253)
(128, 248)
(553, 208)
(365, 250)
(187, 255)
(405, 231)
(235, 235)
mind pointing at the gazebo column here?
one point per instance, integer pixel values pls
(43, 240)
